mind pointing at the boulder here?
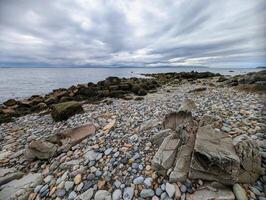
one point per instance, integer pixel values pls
(9, 174)
(62, 111)
(165, 156)
(10, 102)
(250, 159)
(73, 136)
(214, 157)
(40, 149)
(20, 189)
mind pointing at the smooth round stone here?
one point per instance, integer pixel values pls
(48, 179)
(146, 193)
(148, 182)
(72, 195)
(135, 165)
(108, 151)
(183, 188)
(77, 179)
(69, 185)
(90, 177)
(138, 180)
(80, 186)
(37, 188)
(164, 195)
(98, 173)
(158, 191)
(117, 194)
(128, 193)
(170, 189)
(60, 192)
(117, 183)
(102, 195)
(116, 154)
(45, 187)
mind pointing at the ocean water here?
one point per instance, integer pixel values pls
(20, 83)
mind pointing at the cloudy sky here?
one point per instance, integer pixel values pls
(227, 33)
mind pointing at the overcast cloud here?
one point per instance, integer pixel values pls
(133, 33)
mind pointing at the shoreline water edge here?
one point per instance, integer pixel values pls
(187, 135)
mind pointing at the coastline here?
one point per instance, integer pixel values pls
(125, 152)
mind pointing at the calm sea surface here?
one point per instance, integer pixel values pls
(23, 82)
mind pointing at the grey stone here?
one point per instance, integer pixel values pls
(86, 195)
(239, 192)
(183, 188)
(102, 195)
(214, 157)
(146, 193)
(72, 195)
(69, 185)
(148, 182)
(138, 180)
(165, 156)
(21, 187)
(60, 192)
(117, 194)
(170, 189)
(158, 191)
(91, 155)
(160, 136)
(128, 193)
(187, 105)
(108, 151)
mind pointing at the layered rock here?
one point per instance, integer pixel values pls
(250, 159)
(214, 157)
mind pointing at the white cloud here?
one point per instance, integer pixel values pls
(141, 33)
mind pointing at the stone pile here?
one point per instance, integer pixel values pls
(203, 152)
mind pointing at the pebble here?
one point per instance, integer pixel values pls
(138, 180)
(128, 193)
(72, 195)
(183, 188)
(69, 185)
(170, 189)
(117, 195)
(146, 193)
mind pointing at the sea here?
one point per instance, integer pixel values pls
(19, 83)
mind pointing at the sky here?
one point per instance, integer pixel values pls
(137, 33)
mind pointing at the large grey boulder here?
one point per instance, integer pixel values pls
(250, 159)
(21, 188)
(40, 149)
(214, 157)
(165, 156)
(9, 174)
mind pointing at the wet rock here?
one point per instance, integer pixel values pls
(63, 111)
(40, 149)
(21, 188)
(214, 157)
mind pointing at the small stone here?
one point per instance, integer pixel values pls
(108, 151)
(72, 195)
(117, 194)
(69, 185)
(60, 192)
(138, 180)
(128, 193)
(146, 193)
(102, 195)
(86, 195)
(77, 179)
(148, 182)
(170, 189)
(183, 188)
(158, 191)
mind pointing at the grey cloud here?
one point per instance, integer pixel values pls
(127, 33)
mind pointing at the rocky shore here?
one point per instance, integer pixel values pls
(132, 138)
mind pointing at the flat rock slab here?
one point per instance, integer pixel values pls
(211, 194)
(175, 119)
(165, 156)
(183, 160)
(214, 157)
(21, 188)
(160, 136)
(75, 135)
(9, 174)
